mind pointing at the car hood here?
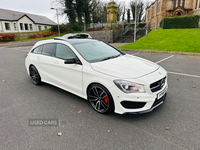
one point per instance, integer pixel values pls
(126, 66)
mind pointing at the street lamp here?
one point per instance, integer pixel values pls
(135, 22)
(57, 20)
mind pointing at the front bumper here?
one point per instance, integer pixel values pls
(138, 103)
(157, 103)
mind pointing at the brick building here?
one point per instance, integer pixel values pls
(170, 8)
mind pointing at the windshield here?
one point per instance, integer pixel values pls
(96, 51)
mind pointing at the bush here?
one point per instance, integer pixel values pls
(66, 28)
(161, 23)
(141, 25)
(75, 27)
(189, 21)
(34, 36)
(6, 37)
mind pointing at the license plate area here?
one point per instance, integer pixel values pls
(162, 93)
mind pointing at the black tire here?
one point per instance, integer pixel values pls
(100, 99)
(35, 76)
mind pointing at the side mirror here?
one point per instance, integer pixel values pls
(72, 60)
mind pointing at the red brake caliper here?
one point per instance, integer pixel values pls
(106, 100)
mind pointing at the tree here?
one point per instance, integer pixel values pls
(79, 10)
(140, 10)
(70, 10)
(123, 15)
(128, 15)
(96, 11)
(104, 12)
(120, 7)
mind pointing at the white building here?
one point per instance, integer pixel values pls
(13, 21)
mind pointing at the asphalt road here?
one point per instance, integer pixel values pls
(84, 129)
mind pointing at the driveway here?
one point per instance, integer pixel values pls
(172, 126)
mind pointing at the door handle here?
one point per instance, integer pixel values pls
(38, 58)
(56, 62)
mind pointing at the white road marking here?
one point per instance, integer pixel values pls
(164, 59)
(182, 74)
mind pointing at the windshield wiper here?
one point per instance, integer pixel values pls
(111, 57)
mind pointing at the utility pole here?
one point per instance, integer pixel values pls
(84, 23)
(135, 21)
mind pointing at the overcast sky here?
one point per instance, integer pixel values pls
(40, 7)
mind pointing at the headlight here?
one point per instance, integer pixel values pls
(129, 87)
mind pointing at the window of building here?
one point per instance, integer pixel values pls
(26, 26)
(179, 1)
(39, 28)
(196, 4)
(149, 14)
(199, 3)
(15, 26)
(183, 3)
(45, 27)
(7, 25)
(21, 26)
(174, 5)
(31, 27)
(152, 12)
(158, 7)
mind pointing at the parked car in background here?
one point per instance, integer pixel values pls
(77, 36)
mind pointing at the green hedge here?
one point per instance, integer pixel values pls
(66, 28)
(189, 21)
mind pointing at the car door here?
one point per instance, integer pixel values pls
(44, 59)
(67, 76)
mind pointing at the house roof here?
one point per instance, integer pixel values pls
(10, 15)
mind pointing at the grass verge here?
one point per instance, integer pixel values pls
(177, 40)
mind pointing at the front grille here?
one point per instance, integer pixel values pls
(156, 86)
(157, 101)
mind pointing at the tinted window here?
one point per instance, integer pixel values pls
(64, 52)
(37, 49)
(84, 36)
(48, 49)
(40, 50)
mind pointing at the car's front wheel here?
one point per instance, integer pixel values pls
(100, 99)
(35, 76)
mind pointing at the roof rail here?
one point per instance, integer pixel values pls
(59, 38)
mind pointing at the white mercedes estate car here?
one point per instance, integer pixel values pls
(111, 80)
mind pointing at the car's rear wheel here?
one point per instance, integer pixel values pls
(35, 76)
(100, 99)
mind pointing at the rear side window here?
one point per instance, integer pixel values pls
(48, 49)
(84, 36)
(37, 50)
(64, 52)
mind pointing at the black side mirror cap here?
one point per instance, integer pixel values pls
(72, 61)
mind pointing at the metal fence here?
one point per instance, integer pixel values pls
(101, 26)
